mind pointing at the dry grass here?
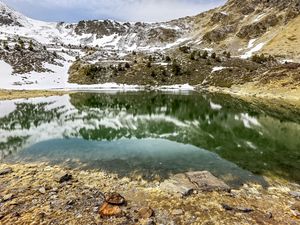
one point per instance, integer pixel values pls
(287, 41)
(17, 94)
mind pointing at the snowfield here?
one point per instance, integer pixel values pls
(59, 80)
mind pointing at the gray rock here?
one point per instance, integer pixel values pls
(7, 197)
(42, 190)
(186, 183)
(6, 171)
(177, 212)
(205, 181)
(178, 184)
(295, 194)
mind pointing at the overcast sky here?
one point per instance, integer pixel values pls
(123, 10)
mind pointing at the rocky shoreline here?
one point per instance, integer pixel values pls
(42, 194)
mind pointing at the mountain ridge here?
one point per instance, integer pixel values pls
(95, 51)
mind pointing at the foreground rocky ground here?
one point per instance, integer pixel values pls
(41, 194)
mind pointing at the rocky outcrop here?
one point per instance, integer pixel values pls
(219, 34)
(259, 28)
(7, 17)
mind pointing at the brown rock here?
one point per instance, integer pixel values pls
(108, 210)
(115, 199)
(146, 212)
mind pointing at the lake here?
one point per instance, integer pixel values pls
(154, 134)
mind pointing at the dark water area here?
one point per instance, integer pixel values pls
(154, 134)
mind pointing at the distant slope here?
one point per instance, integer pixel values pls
(287, 41)
(246, 26)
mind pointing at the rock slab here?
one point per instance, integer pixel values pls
(186, 183)
(205, 181)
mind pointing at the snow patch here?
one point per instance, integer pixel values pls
(249, 53)
(218, 68)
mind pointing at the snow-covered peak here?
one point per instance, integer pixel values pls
(10, 17)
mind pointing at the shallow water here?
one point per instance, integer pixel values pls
(153, 134)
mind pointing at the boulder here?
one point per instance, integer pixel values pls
(185, 183)
(178, 184)
(205, 181)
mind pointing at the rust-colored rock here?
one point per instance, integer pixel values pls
(108, 210)
(115, 199)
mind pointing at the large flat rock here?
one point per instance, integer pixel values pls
(205, 181)
(186, 183)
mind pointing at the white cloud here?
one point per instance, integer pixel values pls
(129, 10)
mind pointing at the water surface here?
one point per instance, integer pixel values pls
(153, 134)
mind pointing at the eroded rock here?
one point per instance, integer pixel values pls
(108, 210)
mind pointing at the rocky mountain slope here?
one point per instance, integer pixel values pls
(110, 51)
(244, 27)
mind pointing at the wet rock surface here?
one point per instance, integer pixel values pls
(32, 195)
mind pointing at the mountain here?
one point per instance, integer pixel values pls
(121, 35)
(242, 25)
(50, 55)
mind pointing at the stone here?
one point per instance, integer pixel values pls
(65, 178)
(227, 207)
(6, 171)
(42, 190)
(7, 197)
(177, 212)
(108, 210)
(115, 199)
(205, 181)
(146, 222)
(244, 209)
(178, 184)
(296, 209)
(236, 209)
(146, 213)
(295, 194)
